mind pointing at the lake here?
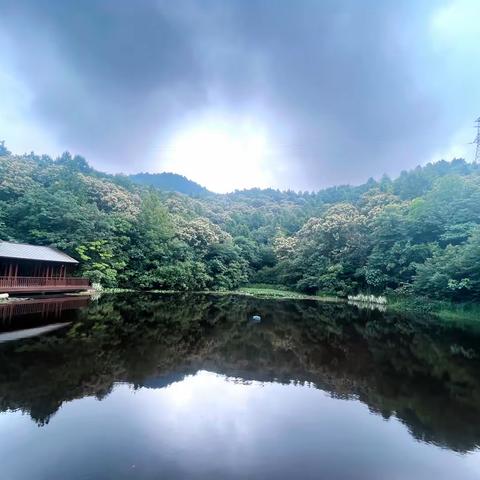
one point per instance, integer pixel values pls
(171, 386)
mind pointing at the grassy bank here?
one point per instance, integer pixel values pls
(280, 292)
(446, 311)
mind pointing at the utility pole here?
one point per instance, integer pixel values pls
(477, 141)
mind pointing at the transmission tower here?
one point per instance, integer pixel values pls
(477, 141)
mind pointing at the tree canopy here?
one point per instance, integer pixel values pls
(419, 233)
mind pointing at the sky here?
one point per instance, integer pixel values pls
(242, 93)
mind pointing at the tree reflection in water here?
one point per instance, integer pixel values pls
(425, 374)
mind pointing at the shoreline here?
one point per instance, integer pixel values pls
(443, 311)
(439, 310)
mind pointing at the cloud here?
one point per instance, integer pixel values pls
(346, 89)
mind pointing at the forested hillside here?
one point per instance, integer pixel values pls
(170, 182)
(418, 234)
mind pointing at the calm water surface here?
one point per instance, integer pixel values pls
(188, 387)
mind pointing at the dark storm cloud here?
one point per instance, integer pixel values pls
(343, 83)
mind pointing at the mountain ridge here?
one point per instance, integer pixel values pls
(170, 182)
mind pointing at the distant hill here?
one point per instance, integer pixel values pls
(170, 182)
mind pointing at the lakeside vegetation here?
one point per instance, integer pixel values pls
(467, 313)
(414, 236)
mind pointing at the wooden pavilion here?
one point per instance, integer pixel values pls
(28, 268)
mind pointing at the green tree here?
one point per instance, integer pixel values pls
(452, 272)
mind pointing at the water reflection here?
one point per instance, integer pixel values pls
(18, 313)
(361, 365)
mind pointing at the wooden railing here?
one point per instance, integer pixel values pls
(30, 282)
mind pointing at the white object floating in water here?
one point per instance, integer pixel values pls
(257, 318)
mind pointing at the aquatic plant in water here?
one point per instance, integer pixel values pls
(380, 300)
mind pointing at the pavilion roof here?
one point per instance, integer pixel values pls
(26, 251)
